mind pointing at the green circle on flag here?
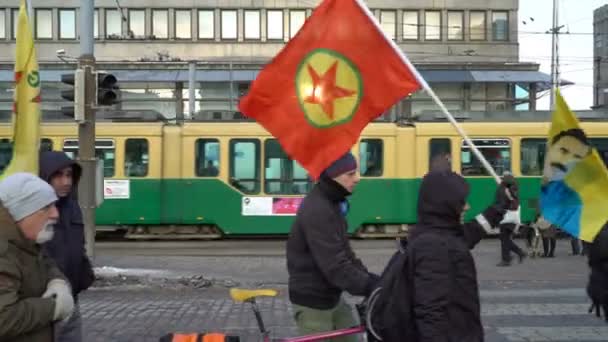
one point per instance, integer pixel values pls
(329, 88)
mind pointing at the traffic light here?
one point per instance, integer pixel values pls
(107, 89)
(75, 95)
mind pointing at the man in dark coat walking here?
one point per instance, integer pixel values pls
(67, 246)
(597, 287)
(445, 291)
(320, 260)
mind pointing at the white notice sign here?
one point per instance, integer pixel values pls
(257, 206)
(116, 189)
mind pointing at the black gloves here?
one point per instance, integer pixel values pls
(372, 283)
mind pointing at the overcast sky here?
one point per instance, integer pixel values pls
(576, 49)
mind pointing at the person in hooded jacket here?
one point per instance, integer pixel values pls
(597, 287)
(509, 224)
(320, 261)
(445, 292)
(67, 247)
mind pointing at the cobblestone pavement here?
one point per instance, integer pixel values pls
(539, 300)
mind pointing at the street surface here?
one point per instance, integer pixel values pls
(150, 288)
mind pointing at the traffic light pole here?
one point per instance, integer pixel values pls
(86, 129)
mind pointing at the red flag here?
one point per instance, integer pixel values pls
(335, 76)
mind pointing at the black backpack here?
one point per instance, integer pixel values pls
(389, 312)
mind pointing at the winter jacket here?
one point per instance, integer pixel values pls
(320, 261)
(24, 273)
(67, 247)
(445, 292)
(597, 287)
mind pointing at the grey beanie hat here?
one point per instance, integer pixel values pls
(23, 194)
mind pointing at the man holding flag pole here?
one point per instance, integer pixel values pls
(318, 93)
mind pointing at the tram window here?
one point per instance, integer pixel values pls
(46, 145)
(104, 150)
(245, 165)
(601, 145)
(533, 156)
(6, 153)
(207, 157)
(137, 157)
(371, 157)
(281, 174)
(496, 151)
(439, 147)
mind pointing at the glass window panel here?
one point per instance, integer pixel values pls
(371, 157)
(439, 147)
(160, 24)
(252, 24)
(455, 25)
(281, 174)
(2, 23)
(477, 25)
(67, 24)
(183, 24)
(44, 24)
(104, 150)
(137, 23)
(96, 24)
(388, 22)
(207, 158)
(245, 165)
(113, 23)
(500, 26)
(432, 25)
(15, 20)
(274, 24)
(137, 158)
(496, 151)
(410, 25)
(6, 153)
(206, 24)
(229, 25)
(296, 20)
(533, 156)
(601, 145)
(46, 145)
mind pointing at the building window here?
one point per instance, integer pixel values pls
(15, 18)
(207, 157)
(410, 25)
(67, 24)
(44, 24)
(229, 24)
(274, 24)
(477, 25)
(137, 23)
(455, 25)
(500, 26)
(96, 24)
(2, 24)
(371, 157)
(104, 150)
(252, 24)
(496, 151)
(206, 24)
(296, 20)
(183, 24)
(388, 22)
(113, 23)
(245, 165)
(137, 158)
(432, 25)
(281, 174)
(160, 24)
(439, 148)
(533, 156)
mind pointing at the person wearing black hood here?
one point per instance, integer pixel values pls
(509, 224)
(67, 246)
(445, 292)
(597, 287)
(320, 261)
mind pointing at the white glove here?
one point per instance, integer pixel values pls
(59, 290)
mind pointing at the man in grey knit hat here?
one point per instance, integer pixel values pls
(33, 292)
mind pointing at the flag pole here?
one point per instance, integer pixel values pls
(430, 91)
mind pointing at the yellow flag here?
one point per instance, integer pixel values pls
(26, 109)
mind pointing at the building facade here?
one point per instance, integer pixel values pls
(600, 56)
(467, 50)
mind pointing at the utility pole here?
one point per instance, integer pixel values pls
(555, 83)
(86, 129)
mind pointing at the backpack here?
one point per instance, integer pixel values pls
(389, 312)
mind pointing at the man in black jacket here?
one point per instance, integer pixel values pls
(597, 288)
(320, 260)
(67, 245)
(446, 296)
